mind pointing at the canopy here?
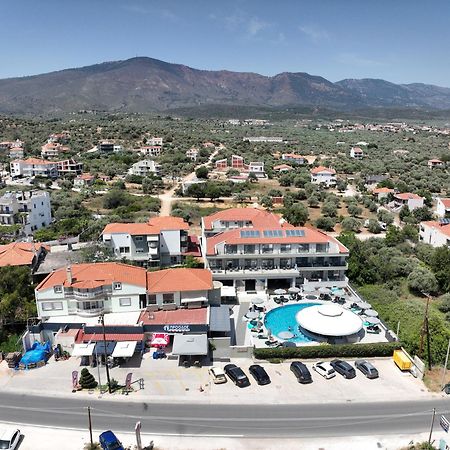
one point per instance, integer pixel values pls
(100, 348)
(194, 299)
(219, 319)
(228, 291)
(371, 313)
(364, 305)
(159, 340)
(373, 320)
(279, 291)
(252, 314)
(294, 290)
(124, 349)
(257, 301)
(190, 344)
(324, 290)
(329, 320)
(308, 288)
(83, 349)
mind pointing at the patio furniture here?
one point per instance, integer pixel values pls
(277, 300)
(284, 299)
(373, 329)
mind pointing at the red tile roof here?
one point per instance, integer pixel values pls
(408, 196)
(311, 236)
(383, 190)
(37, 161)
(19, 253)
(435, 161)
(443, 228)
(282, 166)
(292, 156)
(176, 317)
(91, 275)
(321, 169)
(445, 202)
(258, 217)
(154, 226)
(179, 280)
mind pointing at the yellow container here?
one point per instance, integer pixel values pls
(402, 361)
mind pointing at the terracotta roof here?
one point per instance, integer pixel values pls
(176, 317)
(443, 228)
(311, 236)
(435, 160)
(357, 150)
(154, 226)
(19, 253)
(322, 169)
(38, 161)
(383, 190)
(292, 155)
(179, 280)
(408, 196)
(96, 274)
(282, 166)
(85, 176)
(445, 202)
(258, 217)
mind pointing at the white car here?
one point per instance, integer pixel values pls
(324, 369)
(9, 438)
(218, 375)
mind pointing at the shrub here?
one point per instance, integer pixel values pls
(328, 351)
(87, 380)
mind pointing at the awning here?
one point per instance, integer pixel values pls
(219, 318)
(83, 349)
(228, 291)
(100, 348)
(124, 349)
(193, 299)
(190, 344)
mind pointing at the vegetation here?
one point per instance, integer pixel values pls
(87, 380)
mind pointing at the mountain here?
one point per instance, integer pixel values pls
(146, 84)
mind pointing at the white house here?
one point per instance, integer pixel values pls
(323, 175)
(435, 233)
(192, 153)
(257, 168)
(409, 199)
(16, 153)
(294, 158)
(435, 163)
(356, 152)
(144, 168)
(443, 207)
(155, 141)
(150, 150)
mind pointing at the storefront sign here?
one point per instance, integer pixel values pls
(177, 328)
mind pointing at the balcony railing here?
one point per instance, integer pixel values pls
(87, 295)
(90, 312)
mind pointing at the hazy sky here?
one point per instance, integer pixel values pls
(397, 40)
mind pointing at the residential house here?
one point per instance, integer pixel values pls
(162, 241)
(16, 153)
(144, 168)
(61, 138)
(221, 164)
(294, 159)
(7, 145)
(105, 147)
(257, 168)
(30, 209)
(53, 150)
(356, 152)
(192, 153)
(32, 167)
(323, 175)
(84, 180)
(151, 150)
(412, 201)
(237, 162)
(155, 141)
(435, 233)
(435, 163)
(443, 207)
(69, 167)
(23, 254)
(381, 193)
(282, 168)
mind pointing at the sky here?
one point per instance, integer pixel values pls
(396, 40)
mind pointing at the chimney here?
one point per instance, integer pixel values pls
(69, 274)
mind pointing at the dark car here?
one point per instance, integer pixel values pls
(367, 368)
(259, 374)
(344, 368)
(109, 441)
(301, 372)
(237, 375)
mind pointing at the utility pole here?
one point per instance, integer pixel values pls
(445, 366)
(90, 425)
(102, 321)
(432, 424)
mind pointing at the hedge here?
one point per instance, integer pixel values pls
(328, 351)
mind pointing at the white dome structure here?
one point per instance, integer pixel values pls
(329, 320)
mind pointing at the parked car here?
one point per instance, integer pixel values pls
(109, 441)
(259, 374)
(301, 372)
(343, 368)
(367, 368)
(217, 375)
(9, 438)
(325, 369)
(236, 375)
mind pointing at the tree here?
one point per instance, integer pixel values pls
(341, 185)
(373, 226)
(385, 216)
(252, 177)
(422, 280)
(411, 232)
(394, 236)
(354, 210)
(87, 380)
(192, 263)
(296, 215)
(232, 173)
(266, 201)
(404, 212)
(115, 198)
(325, 223)
(440, 264)
(240, 198)
(351, 224)
(422, 214)
(313, 201)
(444, 305)
(196, 190)
(329, 209)
(202, 172)
(148, 185)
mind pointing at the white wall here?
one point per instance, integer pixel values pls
(433, 236)
(170, 242)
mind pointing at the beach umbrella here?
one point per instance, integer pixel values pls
(257, 301)
(279, 291)
(308, 288)
(294, 290)
(373, 320)
(324, 290)
(364, 305)
(370, 313)
(252, 314)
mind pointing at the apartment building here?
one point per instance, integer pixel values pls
(30, 209)
(192, 154)
(323, 175)
(162, 241)
(150, 150)
(155, 141)
(16, 153)
(435, 233)
(32, 167)
(443, 207)
(84, 180)
(144, 168)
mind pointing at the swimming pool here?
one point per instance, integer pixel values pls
(283, 319)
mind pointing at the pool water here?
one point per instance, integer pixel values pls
(283, 319)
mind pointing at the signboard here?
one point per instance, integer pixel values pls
(128, 381)
(74, 379)
(445, 424)
(177, 328)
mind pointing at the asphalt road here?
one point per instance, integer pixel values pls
(226, 420)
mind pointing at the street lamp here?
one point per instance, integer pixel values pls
(101, 320)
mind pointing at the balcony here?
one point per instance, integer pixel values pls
(89, 312)
(91, 294)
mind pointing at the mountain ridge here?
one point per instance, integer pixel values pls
(144, 84)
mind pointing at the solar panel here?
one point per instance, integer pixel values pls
(295, 233)
(273, 233)
(444, 221)
(249, 233)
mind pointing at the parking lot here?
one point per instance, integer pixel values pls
(166, 381)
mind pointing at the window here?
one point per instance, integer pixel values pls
(151, 299)
(117, 286)
(49, 306)
(285, 248)
(231, 249)
(249, 249)
(267, 248)
(139, 238)
(139, 250)
(57, 289)
(321, 248)
(125, 301)
(303, 248)
(168, 298)
(124, 249)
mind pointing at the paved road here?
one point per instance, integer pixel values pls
(226, 420)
